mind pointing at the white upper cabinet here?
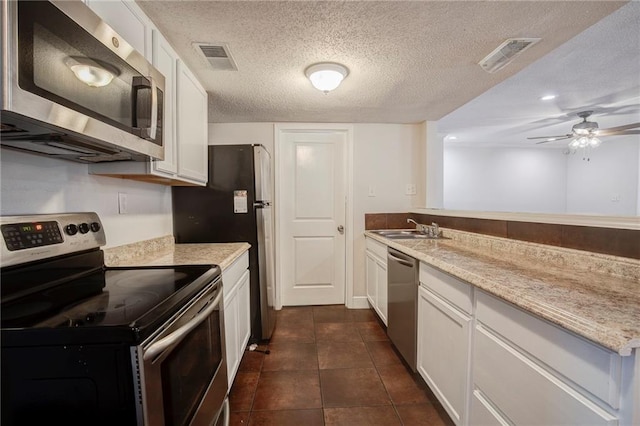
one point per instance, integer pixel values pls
(192, 126)
(128, 20)
(165, 59)
(185, 104)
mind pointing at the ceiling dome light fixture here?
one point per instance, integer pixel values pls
(326, 76)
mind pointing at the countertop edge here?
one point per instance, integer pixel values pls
(168, 254)
(623, 345)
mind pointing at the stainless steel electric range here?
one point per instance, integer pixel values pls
(87, 344)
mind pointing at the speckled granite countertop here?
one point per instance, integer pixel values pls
(163, 251)
(563, 286)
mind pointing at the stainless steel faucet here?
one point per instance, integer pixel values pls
(432, 231)
(419, 227)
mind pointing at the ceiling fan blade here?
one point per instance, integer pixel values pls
(612, 130)
(559, 138)
(555, 138)
(620, 133)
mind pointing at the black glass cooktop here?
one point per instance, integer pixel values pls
(132, 298)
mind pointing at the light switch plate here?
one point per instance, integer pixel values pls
(410, 189)
(372, 191)
(123, 202)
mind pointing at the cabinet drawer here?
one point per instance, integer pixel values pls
(482, 413)
(527, 393)
(377, 248)
(452, 289)
(593, 367)
(231, 276)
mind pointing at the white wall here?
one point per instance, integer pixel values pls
(611, 173)
(545, 180)
(386, 156)
(242, 134)
(33, 184)
(504, 179)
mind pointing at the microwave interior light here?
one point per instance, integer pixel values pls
(91, 72)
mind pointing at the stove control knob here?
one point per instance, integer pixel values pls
(83, 228)
(95, 226)
(71, 229)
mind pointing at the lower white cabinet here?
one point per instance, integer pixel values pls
(528, 371)
(524, 391)
(237, 324)
(376, 277)
(491, 363)
(444, 334)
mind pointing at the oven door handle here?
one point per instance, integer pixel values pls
(175, 337)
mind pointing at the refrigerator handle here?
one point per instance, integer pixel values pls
(261, 204)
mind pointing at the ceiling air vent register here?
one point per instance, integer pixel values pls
(505, 53)
(217, 55)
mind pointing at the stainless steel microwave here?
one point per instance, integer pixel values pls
(72, 88)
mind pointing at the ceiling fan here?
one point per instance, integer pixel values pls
(587, 132)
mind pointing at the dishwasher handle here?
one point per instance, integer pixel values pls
(400, 261)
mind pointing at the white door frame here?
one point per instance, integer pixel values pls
(279, 128)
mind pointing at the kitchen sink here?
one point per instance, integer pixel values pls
(414, 234)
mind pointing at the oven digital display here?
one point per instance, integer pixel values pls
(32, 227)
(20, 236)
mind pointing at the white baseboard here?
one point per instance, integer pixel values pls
(358, 302)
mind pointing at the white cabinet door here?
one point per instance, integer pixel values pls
(237, 322)
(376, 282)
(381, 290)
(525, 392)
(231, 336)
(128, 20)
(443, 352)
(165, 60)
(244, 314)
(371, 278)
(192, 126)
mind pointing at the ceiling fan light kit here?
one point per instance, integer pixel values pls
(326, 76)
(585, 134)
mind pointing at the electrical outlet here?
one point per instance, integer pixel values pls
(410, 189)
(123, 207)
(372, 191)
(615, 198)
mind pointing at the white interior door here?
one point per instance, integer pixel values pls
(312, 190)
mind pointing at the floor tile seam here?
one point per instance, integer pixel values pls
(361, 406)
(373, 406)
(319, 378)
(362, 368)
(282, 409)
(255, 390)
(384, 385)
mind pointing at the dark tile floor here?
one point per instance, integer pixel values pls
(329, 365)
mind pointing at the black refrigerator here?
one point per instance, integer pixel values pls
(235, 206)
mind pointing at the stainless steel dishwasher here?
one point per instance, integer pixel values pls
(402, 273)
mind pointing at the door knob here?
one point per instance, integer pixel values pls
(341, 229)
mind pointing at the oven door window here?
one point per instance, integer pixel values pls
(60, 61)
(189, 368)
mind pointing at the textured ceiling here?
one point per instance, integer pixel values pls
(598, 70)
(408, 61)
